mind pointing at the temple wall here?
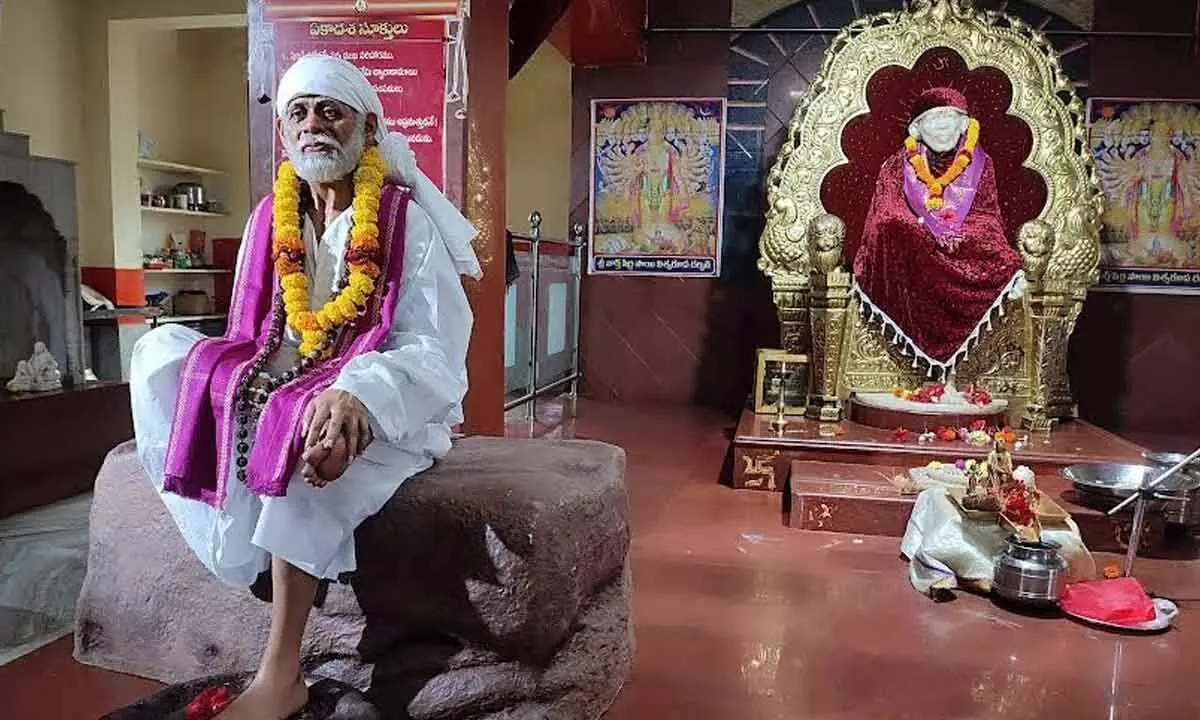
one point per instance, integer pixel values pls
(1133, 355)
(665, 339)
(190, 97)
(54, 87)
(538, 142)
(41, 75)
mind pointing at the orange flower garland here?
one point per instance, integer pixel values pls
(937, 185)
(288, 249)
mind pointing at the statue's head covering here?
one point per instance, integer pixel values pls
(325, 76)
(329, 77)
(939, 97)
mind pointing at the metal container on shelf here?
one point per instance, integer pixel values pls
(1103, 485)
(1032, 573)
(194, 192)
(192, 302)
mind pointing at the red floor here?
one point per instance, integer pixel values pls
(738, 617)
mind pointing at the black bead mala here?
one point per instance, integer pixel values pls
(257, 385)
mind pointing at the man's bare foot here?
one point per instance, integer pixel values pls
(335, 462)
(268, 698)
(313, 458)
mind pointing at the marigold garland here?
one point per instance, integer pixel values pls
(937, 185)
(361, 257)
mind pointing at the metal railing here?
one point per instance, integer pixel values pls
(574, 246)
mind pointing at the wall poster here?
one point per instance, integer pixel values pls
(657, 187)
(1148, 160)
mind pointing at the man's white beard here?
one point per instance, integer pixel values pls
(315, 167)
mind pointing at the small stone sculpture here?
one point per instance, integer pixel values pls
(23, 380)
(46, 375)
(38, 374)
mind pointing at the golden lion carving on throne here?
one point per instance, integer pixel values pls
(934, 212)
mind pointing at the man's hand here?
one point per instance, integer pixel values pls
(332, 414)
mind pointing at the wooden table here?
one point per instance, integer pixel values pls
(54, 443)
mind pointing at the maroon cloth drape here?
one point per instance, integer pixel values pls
(869, 140)
(936, 296)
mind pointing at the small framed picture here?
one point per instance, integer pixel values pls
(780, 372)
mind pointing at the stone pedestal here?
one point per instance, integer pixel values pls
(494, 585)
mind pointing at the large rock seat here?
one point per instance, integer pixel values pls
(494, 585)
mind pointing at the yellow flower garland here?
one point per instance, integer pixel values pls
(362, 258)
(937, 185)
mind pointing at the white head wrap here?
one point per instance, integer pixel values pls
(335, 78)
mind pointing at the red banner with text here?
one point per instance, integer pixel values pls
(405, 61)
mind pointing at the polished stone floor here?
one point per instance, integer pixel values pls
(739, 617)
(43, 557)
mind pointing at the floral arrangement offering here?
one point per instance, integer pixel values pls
(930, 393)
(935, 392)
(977, 434)
(318, 327)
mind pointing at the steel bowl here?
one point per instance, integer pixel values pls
(1100, 485)
(1121, 481)
(1033, 573)
(1166, 460)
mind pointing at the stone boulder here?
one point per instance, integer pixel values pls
(495, 585)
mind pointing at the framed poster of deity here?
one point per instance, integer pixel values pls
(657, 173)
(1148, 160)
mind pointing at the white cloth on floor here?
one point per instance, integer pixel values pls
(943, 546)
(412, 389)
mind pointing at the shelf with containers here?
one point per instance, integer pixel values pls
(179, 203)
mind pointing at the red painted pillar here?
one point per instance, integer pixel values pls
(487, 72)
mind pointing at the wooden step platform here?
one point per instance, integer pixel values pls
(762, 457)
(859, 499)
(837, 477)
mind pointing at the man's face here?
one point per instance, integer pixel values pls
(324, 138)
(941, 128)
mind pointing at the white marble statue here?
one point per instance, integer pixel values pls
(44, 368)
(23, 380)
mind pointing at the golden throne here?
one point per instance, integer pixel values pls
(820, 185)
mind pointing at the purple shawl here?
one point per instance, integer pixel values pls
(199, 451)
(957, 197)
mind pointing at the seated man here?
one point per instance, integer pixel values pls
(934, 262)
(339, 377)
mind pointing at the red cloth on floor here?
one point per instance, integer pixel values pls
(937, 297)
(1121, 601)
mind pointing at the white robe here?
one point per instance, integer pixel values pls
(412, 389)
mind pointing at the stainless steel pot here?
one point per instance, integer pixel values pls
(1033, 573)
